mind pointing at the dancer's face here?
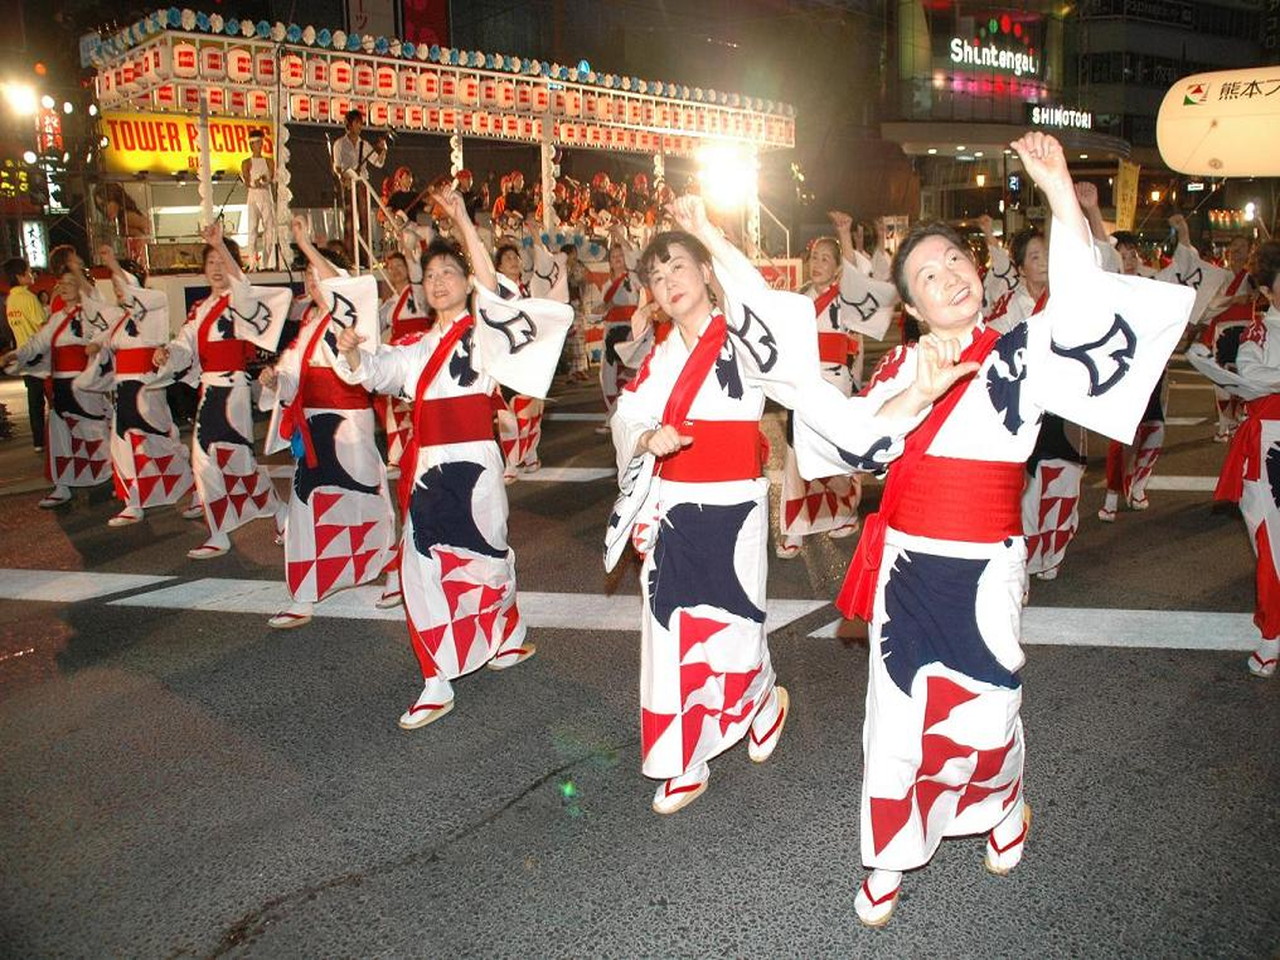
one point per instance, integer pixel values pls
(946, 291)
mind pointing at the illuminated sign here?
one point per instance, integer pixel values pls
(158, 143)
(1061, 118)
(989, 56)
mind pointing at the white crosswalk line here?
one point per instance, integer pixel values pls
(570, 415)
(69, 586)
(570, 474)
(1145, 629)
(1183, 421)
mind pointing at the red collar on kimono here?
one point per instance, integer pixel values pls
(694, 372)
(820, 303)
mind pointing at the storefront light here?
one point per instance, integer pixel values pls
(1250, 209)
(68, 107)
(980, 179)
(960, 148)
(932, 151)
(977, 153)
(29, 157)
(93, 109)
(21, 98)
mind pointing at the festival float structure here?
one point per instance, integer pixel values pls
(184, 88)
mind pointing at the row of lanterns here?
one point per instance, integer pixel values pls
(339, 41)
(414, 85)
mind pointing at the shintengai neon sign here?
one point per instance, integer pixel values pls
(991, 57)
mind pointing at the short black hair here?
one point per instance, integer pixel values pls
(1125, 238)
(440, 247)
(232, 247)
(1021, 240)
(15, 267)
(336, 257)
(659, 250)
(1266, 265)
(136, 270)
(352, 116)
(919, 233)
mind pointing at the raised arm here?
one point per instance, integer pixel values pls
(212, 235)
(455, 208)
(850, 246)
(1046, 164)
(302, 237)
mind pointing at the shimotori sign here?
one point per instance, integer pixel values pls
(1060, 118)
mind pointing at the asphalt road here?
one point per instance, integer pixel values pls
(176, 779)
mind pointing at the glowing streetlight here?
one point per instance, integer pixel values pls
(1250, 209)
(47, 102)
(21, 98)
(68, 107)
(93, 109)
(728, 176)
(29, 156)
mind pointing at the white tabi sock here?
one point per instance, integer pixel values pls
(1112, 502)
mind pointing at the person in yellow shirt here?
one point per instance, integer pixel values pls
(26, 315)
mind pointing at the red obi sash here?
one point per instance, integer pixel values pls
(323, 389)
(453, 420)
(721, 450)
(225, 356)
(941, 494)
(135, 360)
(857, 595)
(435, 363)
(1242, 460)
(833, 348)
(70, 359)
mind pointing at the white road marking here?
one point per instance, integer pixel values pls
(1184, 421)
(570, 474)
(1191, 386)
(570, 415)
(1144, 629)
(69, 586)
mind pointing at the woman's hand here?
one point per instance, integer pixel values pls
(301, 230)
(268, 378)
(1044, 161)
(160, 357)
(690, 214)
(664, 441)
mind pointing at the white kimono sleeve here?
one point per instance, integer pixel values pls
(276, 399)
(866, 305)
(1189, 270)
(1002, 277)
(518, 342)
(259, 313)
(352, 301)
(35, 357)
(835, 434)
(1254, 371)
(549, 280)
(391, 370)
(1201, 357)
(184, 357)
(639, 409)
(1102, 341)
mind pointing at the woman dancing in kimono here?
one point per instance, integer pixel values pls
(1246, 473)
(151, 464)
(79, 422)
(941, 583)
(694, 501)
(403, 316)
(220, 335)
(847, 303)
(339, 530)
(456, 567)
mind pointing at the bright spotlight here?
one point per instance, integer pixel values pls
(93, 109)
(29, 156)
(21, 98)
(1250, 210)
(47, 102)
(68, 107)
(728, 176)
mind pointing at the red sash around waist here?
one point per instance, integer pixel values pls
(224, 356)
(833, 347)
(323, 389)
(974, 501)
(135, 360)
(616, 316)
(70, 359)
(1242, 460)
(453, 420)
(721, 450)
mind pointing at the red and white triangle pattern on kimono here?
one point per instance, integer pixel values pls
(482, 617)
(1147, 447)
(520, 446)
(1051, 512)
(399, 426)
(161, 471)
(340, 554)
(246, 490)
(816, 506)
(716, 706)
(89, 460)
(978, 784)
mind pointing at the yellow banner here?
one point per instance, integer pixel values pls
(1125, 194)
(170, 143)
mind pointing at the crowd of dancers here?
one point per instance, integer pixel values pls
(986, 407)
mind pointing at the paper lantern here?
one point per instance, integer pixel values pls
(506, 94)
(155, 64)
(600, 108)
(320, 107)
(216, 98)
(431, 118)
(264, 69)
(429, 85)
(259, 103)
(341, 76)
(481, 122)
(386, 82)
(414, 116)
(293, 71)
(469, 90)
(529, 128)
(397, 118)
(408, 83)
(524, 97)
(635, 111)
(449, 118)
(338, 107)
(318, 73)
(186, 62)
(363, 83)
(510, 125)
(1222, 124)
(541, 99)
(129, 79)
(213, 63)
(299, 106)
(595, 136)
(567, 133)
(189, 98)
(239, 65)
(489, 92)
(379, 113)
(166, 97)
(237, 101)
